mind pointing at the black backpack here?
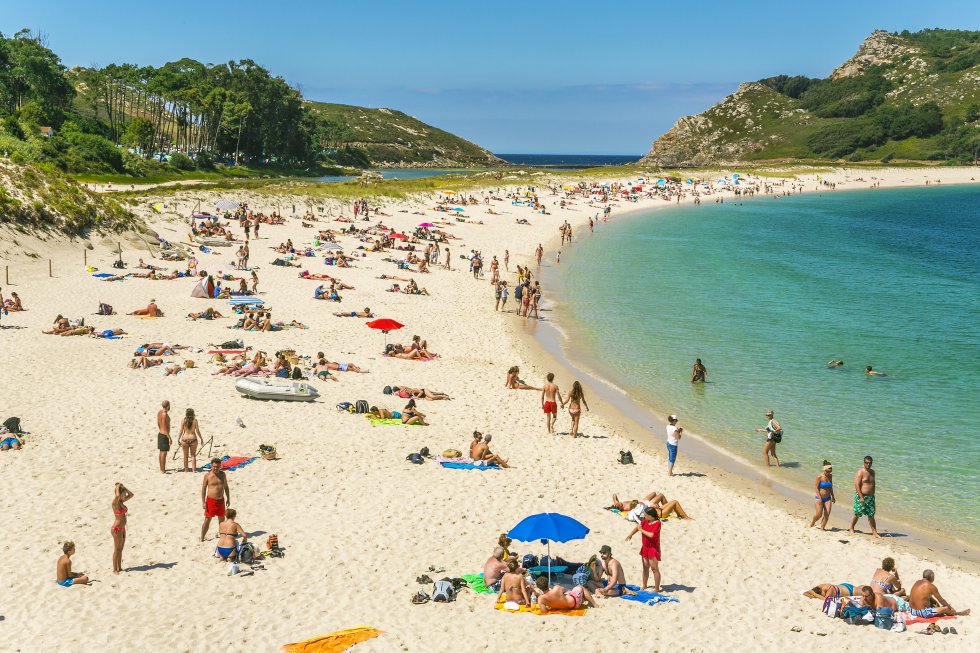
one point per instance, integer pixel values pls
(232, 344)
(12, 424)
(415, 459)
(777, 435)
(105, 309)
(246, 553)
(361, 406)
(626, 458)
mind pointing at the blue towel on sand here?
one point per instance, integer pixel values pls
(103, 275)
(467, 466)
(647, 597)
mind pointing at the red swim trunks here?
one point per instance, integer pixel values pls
(215, 507)
(550, 407)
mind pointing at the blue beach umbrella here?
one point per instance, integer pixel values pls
(548, 527)
(458, 209)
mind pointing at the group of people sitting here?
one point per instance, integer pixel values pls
(416, 350)
(411, 288)
(885, 590)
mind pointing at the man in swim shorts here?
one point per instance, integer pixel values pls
(864, 496)
(550, 396)
(926, 601)
(215, 495)
(494, 569)
(164, 441)
(614, 571)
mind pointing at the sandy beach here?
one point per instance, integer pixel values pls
(357, 521)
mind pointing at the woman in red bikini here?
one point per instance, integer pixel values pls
(119, 525)
(650, 548)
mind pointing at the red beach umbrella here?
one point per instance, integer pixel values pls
(385, 325)
(399, 236)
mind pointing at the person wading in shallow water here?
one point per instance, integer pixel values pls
(699, 373)
(774, 434)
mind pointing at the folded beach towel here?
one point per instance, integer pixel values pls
(468, 465)
(231, 463)
(534, 609)
(921, 620)
(475, 583)
(334, 642)
(647, 597)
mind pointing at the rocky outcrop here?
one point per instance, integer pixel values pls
(881, 48)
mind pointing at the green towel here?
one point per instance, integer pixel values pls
(475, 581)
(390, 422)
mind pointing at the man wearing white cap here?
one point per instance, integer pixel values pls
(673, 439)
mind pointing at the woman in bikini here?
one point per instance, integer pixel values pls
(411, 415)
(575, 401)
(514, 382)
(228, 533)
(823, 499)
(119, 509)
(190, 437)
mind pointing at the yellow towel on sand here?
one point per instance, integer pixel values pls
(334, 642)
(534, 609)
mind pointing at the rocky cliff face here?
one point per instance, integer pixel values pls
(880, 49)
(727, 132)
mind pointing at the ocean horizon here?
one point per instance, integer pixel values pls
(766, 292)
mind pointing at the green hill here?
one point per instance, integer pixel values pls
(907, 96)
(393, 139)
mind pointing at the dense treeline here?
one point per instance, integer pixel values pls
(864, 117)
(129, 119)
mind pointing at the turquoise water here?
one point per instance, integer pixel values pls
(765, 293)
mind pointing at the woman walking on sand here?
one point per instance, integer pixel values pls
(575, 401)
(190, 438)
(774, 435)
(119, 509)
(674, 433)
(823, 499)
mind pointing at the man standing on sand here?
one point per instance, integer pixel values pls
(538, 253)
(864, 496)
(674, 434)
(924, 599)
(447, 259)
(215, 495)
(550, 396)
(164, 441)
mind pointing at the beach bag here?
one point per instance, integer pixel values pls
(346, 406)
(832, 607)
(443, 591)
(232, 344)
(12, 424)
(884, 618)
(452, 453)
(415, 459)
(387, 390)
(626, 458)
(361, 406)
(246, 553)
(529, 561)
(581, 576)
(777, 436)
(118, 264)
(105, 309)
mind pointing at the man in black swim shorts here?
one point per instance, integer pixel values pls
(163, 434)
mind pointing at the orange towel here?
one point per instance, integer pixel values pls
(534, 609)
(334, 642)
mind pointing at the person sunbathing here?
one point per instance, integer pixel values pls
(207, 314)
(228, 533)
(343, 367)
(322, 371)
(305, 274)
(558, 598)
(514, 382)
(10, 441)
(365, 313)
(397, 351)
(480, 452)
(392, 278)
(77, 331)
(413, 289)
(151, 310)
(824, 590)
(160, 348)
(230, 368)
(61, 324)
(412, 415)
(118, 277)
(655, 500)
(144, 361)
(513, 586)
(406, 392)
(172, 369)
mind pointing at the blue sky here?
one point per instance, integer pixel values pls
(518, 77)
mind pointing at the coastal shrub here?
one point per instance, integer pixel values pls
(846, 97)
(90, 153)
(842, 138)
(204, 161)
(354, 157)
(903, 120)
(13, 128)
(793, 87)
(180, 161)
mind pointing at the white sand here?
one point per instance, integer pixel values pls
(358, 522)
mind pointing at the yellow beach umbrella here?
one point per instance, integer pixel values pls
(449, 192)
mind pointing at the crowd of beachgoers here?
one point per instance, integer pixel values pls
(464, 268)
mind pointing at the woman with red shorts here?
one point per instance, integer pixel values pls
(650, 548)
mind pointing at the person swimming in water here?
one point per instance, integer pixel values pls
(836, 362)
(871, 372)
